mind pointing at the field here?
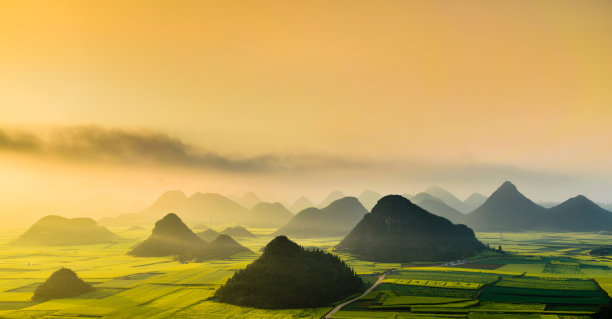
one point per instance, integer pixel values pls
(543, 276)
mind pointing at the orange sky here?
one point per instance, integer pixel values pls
(519, 84)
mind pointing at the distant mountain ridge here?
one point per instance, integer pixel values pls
(209, 208)
(221, 247)
(439, 208)
(448, 198)
(57, 230)
(474, 201)
(248, 200)
(267, 215)
(237, 231)
(300, 204)
(509, 210)
(331, 197)
(580, 214)
(337, 219)
(208, 235)
(369, 198)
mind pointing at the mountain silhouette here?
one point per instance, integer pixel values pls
(332, 197)
(300, 204)
(63, 283)
(580, 214)
(208, 235)
(168, 202)
(288, 276)
(209, 208)
(448, 198)
(507, 210)
(423, 196)
(56, 230)
(474, 201)
(267, 215)
(169, 237)
(249, 200)
(221, 247)
(238, 231)
(200, 226)
(399, 231)
(212, 208)
(369, 198)
(438, 207)
(337, 219)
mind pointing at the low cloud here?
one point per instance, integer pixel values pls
(97, 144)
(102, 146)
(18, 141)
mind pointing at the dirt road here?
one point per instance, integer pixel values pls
(340, 306)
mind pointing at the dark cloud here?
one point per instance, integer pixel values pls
(97, 144)
(18, 141)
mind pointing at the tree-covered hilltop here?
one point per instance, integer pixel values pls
(169, 237)
(63, 283)
(399, 231)
(288, 276)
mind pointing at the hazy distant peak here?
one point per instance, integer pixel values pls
(448, 198)
(265, 205)
(249, 200)
(344, 202)
(207, 195)
(251, 195)
(335, 195)
(474, 201)
(436, 188)
(423, 196)
(300, 204)
(369, 198)
(369, 193)
(224, 239)
(475, 197)
(173, 195)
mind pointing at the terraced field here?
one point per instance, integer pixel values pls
(545, 276)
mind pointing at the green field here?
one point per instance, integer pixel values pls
(545, 276)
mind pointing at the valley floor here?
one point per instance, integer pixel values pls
(545, 275)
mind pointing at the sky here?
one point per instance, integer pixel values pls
(121, 100)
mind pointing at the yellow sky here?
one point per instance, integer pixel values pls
(525, 84)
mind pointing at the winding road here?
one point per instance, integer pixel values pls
(340, 306)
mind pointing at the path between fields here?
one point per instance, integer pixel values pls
(340, 306)
(380, 279)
